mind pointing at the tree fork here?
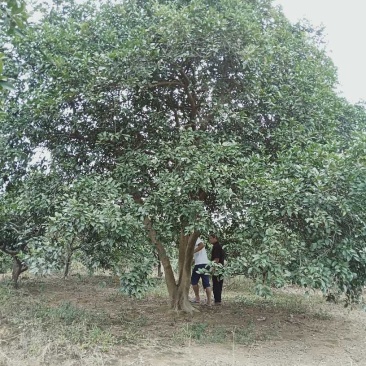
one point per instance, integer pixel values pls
(178, 292)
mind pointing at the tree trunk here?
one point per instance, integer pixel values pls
(67, 264)
(69, 252)
(178, 292)
(18, 268)
(180, 300)
(160, 272)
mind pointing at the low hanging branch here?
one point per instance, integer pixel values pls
(163, 83)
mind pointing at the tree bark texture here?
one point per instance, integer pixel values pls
(160, 272)
(178, 290)
(67, 264)
(18, 268)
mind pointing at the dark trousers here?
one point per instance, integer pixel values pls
(217, 288)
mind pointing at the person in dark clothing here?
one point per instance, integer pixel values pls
(217, 256)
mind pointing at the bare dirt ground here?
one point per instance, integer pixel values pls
(86, 321)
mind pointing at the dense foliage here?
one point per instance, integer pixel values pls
(168, 119)
(12, 18)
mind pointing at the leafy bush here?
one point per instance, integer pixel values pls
(5, 263)
(137, 281)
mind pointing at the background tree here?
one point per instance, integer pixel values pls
(92, 218)
(305, 224)
(12, 18)
(24, 212)
(208, 114)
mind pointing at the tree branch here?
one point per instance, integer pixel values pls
(163, 83)
(7, 251)
(169, 274)
(24, 268)
(190, 97)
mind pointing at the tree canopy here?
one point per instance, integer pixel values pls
(203, 115)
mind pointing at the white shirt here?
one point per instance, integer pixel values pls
(200, 257)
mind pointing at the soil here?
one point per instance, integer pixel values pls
(239, 332)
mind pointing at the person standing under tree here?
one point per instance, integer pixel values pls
(217, 256)
(200, 262)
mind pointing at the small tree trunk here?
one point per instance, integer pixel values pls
(67, 264)
(160, 272)
(70, 251)
(180, 299)
(18, 268)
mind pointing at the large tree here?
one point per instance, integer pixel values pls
(193, 107)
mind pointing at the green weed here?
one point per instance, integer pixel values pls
(115, 296)
(244, 335)
(197, 330)
(217, 335)
(322, 314)
(66, 313)
(88, 337)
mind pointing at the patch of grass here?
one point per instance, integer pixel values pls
(244, 335)
(206, 333)
(115, 296)
(65, 313)
(293, 304)
(5, 263)
(130, 336)
(217, 335)
(239, 284)
(128, 316)
(88, 337)
(160, 290)
(63, 324)
(197, 330)
(322, 314)
(102, 284)
(103, 339)
(4, 293)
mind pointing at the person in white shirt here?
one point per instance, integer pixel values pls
(200, 261)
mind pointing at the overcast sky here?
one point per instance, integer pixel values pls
(345, 29)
